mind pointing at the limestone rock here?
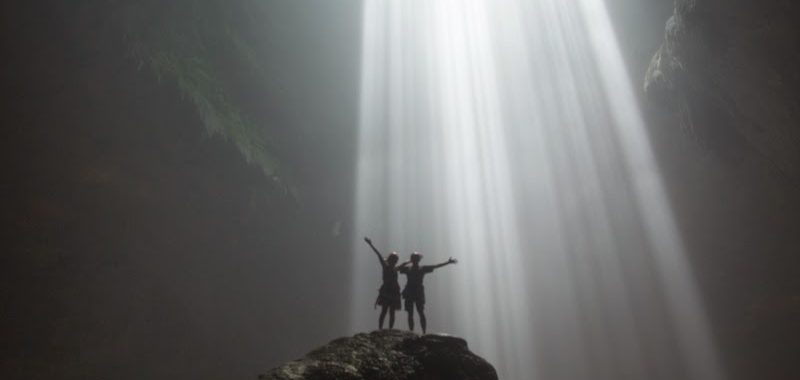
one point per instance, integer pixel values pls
(388, 355)
(729, 71)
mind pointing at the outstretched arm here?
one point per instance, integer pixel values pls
(449, 261)
(403, 268)
(378, 253)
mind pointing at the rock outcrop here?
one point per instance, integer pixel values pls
(388, 355)
(729, 70)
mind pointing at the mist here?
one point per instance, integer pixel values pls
(188, 186)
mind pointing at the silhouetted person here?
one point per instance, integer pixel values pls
(389, 293)
(414, 292)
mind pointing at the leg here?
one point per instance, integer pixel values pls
(410, 310)
(383, 315)
(422, 321)
(391, 318)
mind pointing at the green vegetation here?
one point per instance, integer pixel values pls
(195, 43)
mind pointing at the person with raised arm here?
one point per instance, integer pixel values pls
(389, 292)
(414, 291)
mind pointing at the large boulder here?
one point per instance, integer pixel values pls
(388, 355)
(729, 70)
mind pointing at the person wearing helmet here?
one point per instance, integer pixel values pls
(414, 291)
(389, 293)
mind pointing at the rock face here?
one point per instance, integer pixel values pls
(729, 70)
(388, 355)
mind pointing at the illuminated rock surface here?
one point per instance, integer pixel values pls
(388, 355)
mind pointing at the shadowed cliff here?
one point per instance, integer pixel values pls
(728, 69)
(726, 72)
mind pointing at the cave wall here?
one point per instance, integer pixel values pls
(135, 245)
(723, 108)
(729, 69)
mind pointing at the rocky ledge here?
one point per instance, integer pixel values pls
(388, 355)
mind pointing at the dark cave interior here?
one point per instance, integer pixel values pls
(139, 245)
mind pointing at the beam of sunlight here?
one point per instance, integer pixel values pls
(506, 133)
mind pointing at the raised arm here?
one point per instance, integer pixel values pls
(378, 253)
(449, 261)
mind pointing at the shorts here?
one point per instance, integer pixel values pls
(389, 296)
(409, 305)
(414, 297)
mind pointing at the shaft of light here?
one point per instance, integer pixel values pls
(506, 133)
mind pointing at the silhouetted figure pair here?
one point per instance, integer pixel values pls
(414, 291)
